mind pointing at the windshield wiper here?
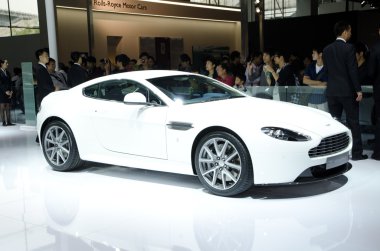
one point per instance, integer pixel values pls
(236, 97)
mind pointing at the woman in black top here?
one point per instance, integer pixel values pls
(5, 93)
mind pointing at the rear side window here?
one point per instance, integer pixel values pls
(115, 90)
(91, 91)
(112, 90)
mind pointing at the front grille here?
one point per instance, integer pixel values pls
(330, 145)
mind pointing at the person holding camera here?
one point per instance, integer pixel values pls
(77, 74)
(254, 69)
(142, 62)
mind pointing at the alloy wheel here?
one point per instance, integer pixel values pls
(57, 145)
(220, 163)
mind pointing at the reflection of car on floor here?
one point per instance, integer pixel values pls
(117, 219)
(187, 123)
(103, 213)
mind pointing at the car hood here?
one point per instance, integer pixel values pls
(252, 112)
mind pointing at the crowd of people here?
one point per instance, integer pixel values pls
(339, 68)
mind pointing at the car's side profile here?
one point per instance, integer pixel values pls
(187, 123)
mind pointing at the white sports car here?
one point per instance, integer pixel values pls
(187, 123)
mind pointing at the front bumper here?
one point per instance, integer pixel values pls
(320, 172)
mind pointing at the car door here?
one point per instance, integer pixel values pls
(129, 128)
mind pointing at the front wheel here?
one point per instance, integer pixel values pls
(223, 164)
(59, 147)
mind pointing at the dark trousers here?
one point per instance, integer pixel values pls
(351, 108)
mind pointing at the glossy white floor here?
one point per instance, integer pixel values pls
(115, 208)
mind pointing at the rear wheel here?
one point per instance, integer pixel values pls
(223, 164)
(59, 147)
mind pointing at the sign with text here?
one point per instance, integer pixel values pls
(174, 10)
(119, 6)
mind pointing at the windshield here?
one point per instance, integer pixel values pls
(190, 89)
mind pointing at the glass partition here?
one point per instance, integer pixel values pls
(28, 88)
(312, 97)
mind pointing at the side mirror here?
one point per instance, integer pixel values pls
(135, 98)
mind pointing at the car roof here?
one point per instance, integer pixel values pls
(133, 75)
(147, 74)
(137, 75)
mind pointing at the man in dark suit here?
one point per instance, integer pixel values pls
(343, 88)
(374, 73)
(77, 74)
(44, 83)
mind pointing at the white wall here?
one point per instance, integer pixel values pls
(72, 32)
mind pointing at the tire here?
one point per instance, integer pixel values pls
(223, 164)
(59, 147)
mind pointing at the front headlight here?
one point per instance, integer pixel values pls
(284, 134)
